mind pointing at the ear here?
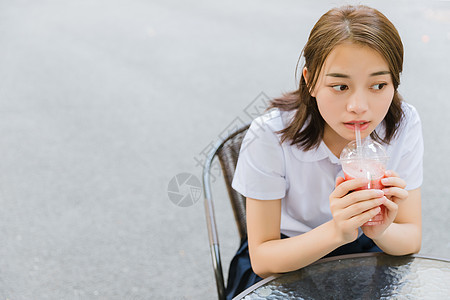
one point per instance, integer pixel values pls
(305, 75)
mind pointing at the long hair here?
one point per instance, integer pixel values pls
(355, 24)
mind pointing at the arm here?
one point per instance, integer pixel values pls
(404, 235)
(269, 254)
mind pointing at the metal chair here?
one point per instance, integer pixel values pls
(227, 150)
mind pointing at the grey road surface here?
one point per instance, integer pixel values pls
(103, 103)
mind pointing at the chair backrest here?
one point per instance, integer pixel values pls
(228, 155)
(227, 151)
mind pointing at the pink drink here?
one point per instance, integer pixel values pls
(365, 158)
(373, 170)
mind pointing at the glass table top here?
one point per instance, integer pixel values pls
(360, 276)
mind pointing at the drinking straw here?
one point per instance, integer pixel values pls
(358, 140)
(359, 153)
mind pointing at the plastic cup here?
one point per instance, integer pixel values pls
(369, 162)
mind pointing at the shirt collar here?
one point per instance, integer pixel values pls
(317, 154)
(320, 153)
(331, 156)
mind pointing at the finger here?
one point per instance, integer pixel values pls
(391, 173)
(361, 207)
(396, 192)
(394, 181)
(339, 180)
(363, 218)
(349, 185)
(390, 205)
(360, 196)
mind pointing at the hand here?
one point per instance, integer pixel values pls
(351, 209)
(395, 193)
(394, 187)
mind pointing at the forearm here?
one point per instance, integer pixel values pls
(400, 239)
(279, 256)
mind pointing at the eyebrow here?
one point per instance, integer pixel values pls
(340, 75)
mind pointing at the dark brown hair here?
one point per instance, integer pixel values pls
(360, 25)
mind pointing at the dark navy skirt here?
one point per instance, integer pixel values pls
(241, 275)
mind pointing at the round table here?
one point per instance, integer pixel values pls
(359, 276)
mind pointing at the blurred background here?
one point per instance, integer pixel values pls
(104, 105)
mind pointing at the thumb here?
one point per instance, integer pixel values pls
(339, 180)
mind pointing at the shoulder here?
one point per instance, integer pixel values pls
(274, 120)
(270, 123)
(409, 135)
(407, 148)
(410, 113)
(410, 123)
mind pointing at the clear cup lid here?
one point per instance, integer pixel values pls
(370, 150)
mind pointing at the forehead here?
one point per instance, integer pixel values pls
(352, 58)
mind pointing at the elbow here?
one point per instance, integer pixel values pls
(415, 246)
(412, 248)
(418, 247)
(261, 266)
(415, 249)
(262, 275)
(260, 269)
(418, 244)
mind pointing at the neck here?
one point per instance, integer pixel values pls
(334, 141)
(336, 149)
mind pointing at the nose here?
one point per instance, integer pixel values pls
(357, 103)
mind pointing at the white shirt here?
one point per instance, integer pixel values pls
(304, 180)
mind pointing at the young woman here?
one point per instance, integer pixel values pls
(299, 207)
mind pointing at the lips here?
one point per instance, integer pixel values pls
(363, 125)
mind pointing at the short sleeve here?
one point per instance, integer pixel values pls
(260, 170)
(410, 166)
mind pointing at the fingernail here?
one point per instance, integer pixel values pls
(385, 180)
(380, 193)
(386, 191)
(388, 173)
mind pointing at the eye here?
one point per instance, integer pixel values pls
(378, 86)
(340, 87)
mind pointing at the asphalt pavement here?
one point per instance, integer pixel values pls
(107, 107)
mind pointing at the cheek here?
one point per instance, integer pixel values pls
(382, 105)
(328, 109)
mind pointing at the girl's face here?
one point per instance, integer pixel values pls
(354, 86)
